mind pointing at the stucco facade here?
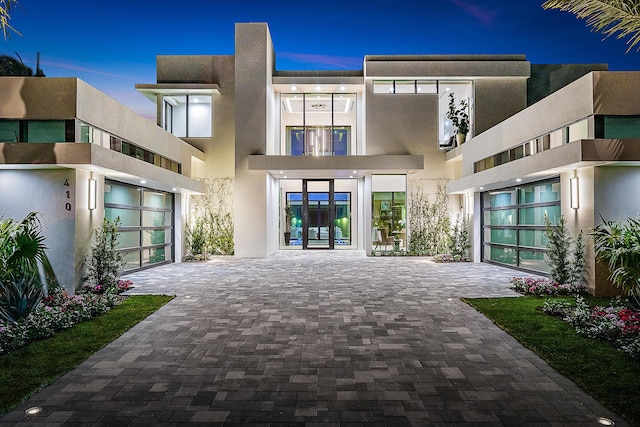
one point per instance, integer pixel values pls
(344, 149)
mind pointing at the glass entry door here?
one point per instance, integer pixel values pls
(318, 214)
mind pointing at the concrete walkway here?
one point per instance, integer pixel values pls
(316, 338)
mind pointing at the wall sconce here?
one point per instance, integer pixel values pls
(575, 199)
(93, 194)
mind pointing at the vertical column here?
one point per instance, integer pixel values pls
(253, 75)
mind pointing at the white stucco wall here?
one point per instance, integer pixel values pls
(44, 191)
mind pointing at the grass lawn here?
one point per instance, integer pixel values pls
(600, 369)
(29, 369)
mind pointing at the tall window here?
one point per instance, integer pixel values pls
(514, 224)
(318, 124)
(188, 116)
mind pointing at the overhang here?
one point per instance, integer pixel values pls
(151, 90)
(98, 159)
(335, 166)
(572, 156)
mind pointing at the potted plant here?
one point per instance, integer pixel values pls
(459, 117)
(288, 213)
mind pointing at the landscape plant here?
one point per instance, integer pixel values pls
(105, 262)
(618, 245)
(26, 274)
(459, 238)
(429, 221)
(565, 255)
(212, 227)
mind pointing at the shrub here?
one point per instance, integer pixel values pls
(55, 312)
(546, 286)
(565, 255)
(105, 262)
(18, 298)
(618, 245)
(617, 324)
(459, 238)
(554, 307)
(22, 258)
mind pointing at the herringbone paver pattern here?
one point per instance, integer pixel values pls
(316, 339)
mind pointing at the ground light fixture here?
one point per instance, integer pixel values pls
(605, 421)
(34, 410)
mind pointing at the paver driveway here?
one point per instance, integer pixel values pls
(316, 338)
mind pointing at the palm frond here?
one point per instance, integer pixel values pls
(609, 17)
(6, 7)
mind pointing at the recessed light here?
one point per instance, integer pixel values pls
(318, 87)
(481, 188)
(174, 189)
(294, 88)
(519, 180)
(350, 176)
(342, 88)
(143, 182)
(605, 421)
(355, 172)
(285, 176)
(33, 410)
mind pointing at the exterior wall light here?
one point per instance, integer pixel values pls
(93, 194)
(575, 199)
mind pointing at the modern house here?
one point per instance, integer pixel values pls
(344, 151)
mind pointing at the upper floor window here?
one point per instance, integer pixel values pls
(321, 124)
(405, 86)
(187, 116)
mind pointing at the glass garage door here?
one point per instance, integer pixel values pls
(146, 223)
(514, 224)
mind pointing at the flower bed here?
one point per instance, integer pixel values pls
(450, 258)
(546, 286)
(56, 312)
(618, 323)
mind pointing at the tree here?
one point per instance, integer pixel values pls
(12, 67)
(6, 7)
(610, 17)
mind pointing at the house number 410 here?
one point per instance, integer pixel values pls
(67, 205)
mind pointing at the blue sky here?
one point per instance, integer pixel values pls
(112, 45)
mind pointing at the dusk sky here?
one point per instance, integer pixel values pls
(112, 45)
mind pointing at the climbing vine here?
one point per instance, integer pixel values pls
(429, 219)
(211, 229)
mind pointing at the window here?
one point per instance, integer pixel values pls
(48, 131)
(188, 116)
(389, 211)
(318, 124)
(620, 126)
(462, 90)
(406, 86)
(9, 131)
(514, 224)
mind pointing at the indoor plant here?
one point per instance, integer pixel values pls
(459, 117)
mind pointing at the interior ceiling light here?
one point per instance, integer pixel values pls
(33, 410)
(605, 421)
